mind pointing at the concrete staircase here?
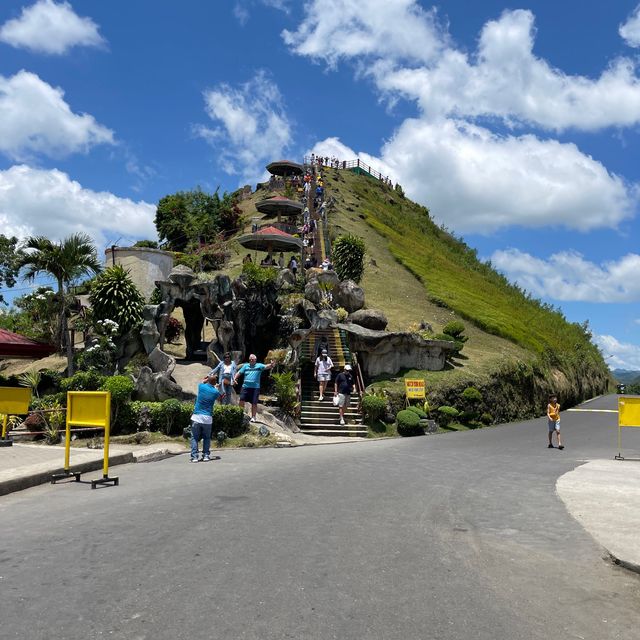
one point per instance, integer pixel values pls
(322, 418)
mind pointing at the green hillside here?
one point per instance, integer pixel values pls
(420, 271)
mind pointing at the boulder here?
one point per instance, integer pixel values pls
(390, 352)
(285, 281)
(369, 318)
(161, 362)
(326, 318)
(155, 387)
(328, 278)
(312, 292)
(348, 295)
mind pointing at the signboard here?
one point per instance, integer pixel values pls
(415, 389)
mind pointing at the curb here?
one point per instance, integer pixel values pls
(629, 566)
(43, 477)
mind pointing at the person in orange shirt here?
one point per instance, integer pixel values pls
(553, 421)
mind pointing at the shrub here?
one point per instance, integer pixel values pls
(174, 416)
(285, 390)
(348, 257)
(471, 395)
(486, 418)
(115, 297)
(446, 415)
(169, 417)
(418, 411)
(374, 408)
(408, 423)
(455, 329)
(121, 388)
(174, 329)
(258, 277)
(149, 244)
(342, 314)
(228, 418)
(83, 381)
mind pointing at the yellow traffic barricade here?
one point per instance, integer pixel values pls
(14, 401)
(88, 409)
(628, 416)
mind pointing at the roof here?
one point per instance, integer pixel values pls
(273, 230)
(13, 345)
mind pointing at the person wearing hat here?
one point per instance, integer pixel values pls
(343, 387)
(322, 371)
(202, 417)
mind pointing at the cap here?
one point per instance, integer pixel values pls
(324, 352)
(347, 367)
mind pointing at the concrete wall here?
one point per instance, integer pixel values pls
(144, 265)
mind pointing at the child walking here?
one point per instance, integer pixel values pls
(553, 421)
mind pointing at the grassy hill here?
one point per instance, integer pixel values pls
(519, 349)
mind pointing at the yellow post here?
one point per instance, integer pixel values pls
(107, 429)
(67, 438)
(5, 419)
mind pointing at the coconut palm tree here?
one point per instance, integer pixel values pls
(67, 260)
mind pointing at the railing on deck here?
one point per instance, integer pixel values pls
(354, 165)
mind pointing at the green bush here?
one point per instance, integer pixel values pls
(471, 395)
(486, 418)
(121, 389)
(348, 257)
(285, 390)
(418, 411)
(228, 418)
(258, 277)
(455, 329)
(408, 423)
(374, 408)
(446, 415)
(169, 417)
(83, 381)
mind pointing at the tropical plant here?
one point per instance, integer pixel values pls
(115, 297)
(285, 390)
(101, 354)
(66, 261)
(30, 379)
(348, 257)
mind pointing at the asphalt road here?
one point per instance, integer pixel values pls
(457, 536)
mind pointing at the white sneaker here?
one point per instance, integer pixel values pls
(205, 459)
(341, 420)
(321, 398)
(194, 459)
(252, 420)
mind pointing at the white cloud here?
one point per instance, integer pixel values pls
(52, 28)
(408, 54)
(630, 30)
(35, 119)
(341, 29)
(618, 355)
(475, 181)
(253, 126)
(50, 203)
(566, 275)
(241, 13)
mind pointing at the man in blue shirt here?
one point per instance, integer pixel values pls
(251, 386)
(202, 417)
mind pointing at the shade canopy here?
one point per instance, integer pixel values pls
(285, 168)
(270, 239)
(279, 205)
(13, 345)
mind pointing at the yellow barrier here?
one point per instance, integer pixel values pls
(628, 416)
(13, 401)
(87, 409)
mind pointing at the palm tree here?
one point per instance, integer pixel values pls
(66, 261)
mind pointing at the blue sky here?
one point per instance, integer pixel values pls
(517, 125)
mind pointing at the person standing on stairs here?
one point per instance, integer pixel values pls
(343, 387)
(251, 385)
(322, 372)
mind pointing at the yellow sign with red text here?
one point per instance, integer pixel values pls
(415, 389)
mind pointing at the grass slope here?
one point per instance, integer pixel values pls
(422, 272)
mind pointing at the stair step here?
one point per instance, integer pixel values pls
(336, 433)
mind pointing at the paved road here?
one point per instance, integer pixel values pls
(459, 536)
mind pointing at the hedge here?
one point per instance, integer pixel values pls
(408, 423)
